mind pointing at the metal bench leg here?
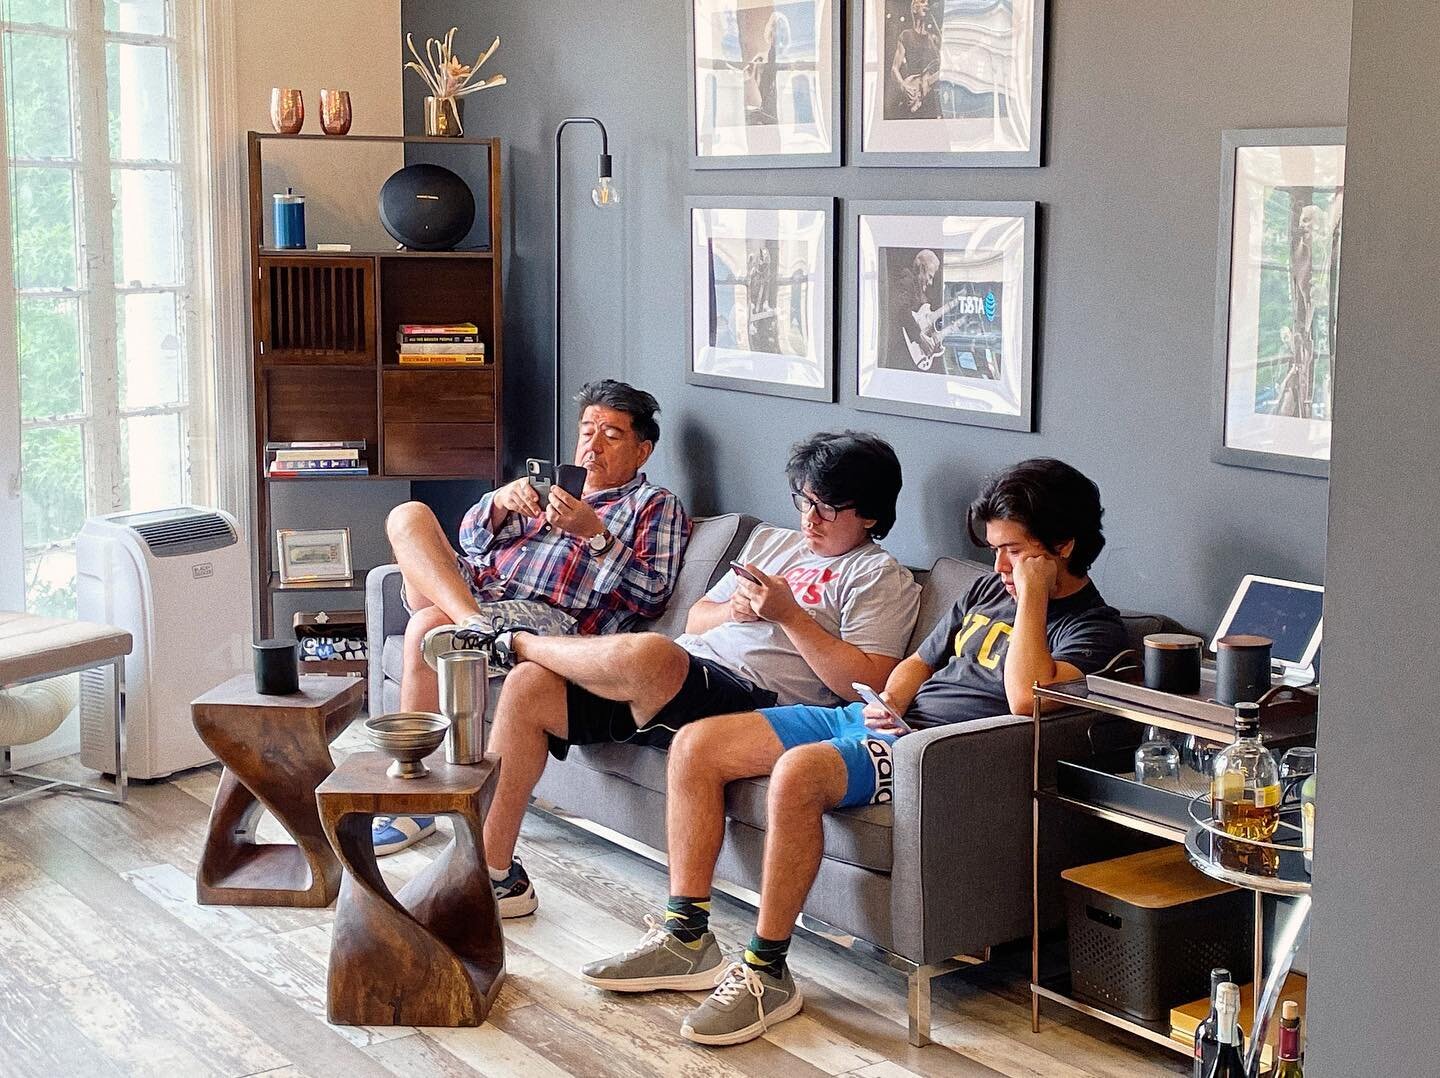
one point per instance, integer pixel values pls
(919, 1004)
(117, 680)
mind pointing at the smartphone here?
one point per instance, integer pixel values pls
(871, 697)
(541, 476)
(571, 479)
(740, 570)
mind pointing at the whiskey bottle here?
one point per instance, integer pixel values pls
(1290, 1065)
(1245, 794)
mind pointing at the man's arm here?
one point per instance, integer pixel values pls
(905, 681)
(705, 615)
(1028, 661)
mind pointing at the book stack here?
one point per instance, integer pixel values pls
(455, 345)
(315, 460)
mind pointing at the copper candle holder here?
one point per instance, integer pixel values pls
(287, 110)
(335, 113)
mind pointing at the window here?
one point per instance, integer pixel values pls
(111, 384)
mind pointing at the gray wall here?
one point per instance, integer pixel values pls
(1377, 921)
(1137, 97)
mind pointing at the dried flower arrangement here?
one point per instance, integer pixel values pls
(445, 76)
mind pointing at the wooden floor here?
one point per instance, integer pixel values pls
(107, 967)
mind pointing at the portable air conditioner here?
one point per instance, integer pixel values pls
(177, 580)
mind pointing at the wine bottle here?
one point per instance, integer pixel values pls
(1206, 1041)
(1228, 1060)
(1290, 1065)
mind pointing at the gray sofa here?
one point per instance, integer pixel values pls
(924, 884)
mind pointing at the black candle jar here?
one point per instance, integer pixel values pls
(1172, 662)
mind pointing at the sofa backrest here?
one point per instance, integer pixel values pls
(714, 543)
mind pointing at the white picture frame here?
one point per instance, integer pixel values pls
(945, 311)
(306, 557)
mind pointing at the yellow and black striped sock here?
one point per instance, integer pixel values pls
(767, 956)
(687, 919)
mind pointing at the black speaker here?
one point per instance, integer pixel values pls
(427, 208)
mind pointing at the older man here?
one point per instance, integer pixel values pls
(605, 559)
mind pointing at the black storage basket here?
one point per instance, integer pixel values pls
(1143, 961)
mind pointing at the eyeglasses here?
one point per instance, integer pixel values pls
(825, 512)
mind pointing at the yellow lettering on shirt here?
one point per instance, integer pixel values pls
(973, 624)
(988, 657)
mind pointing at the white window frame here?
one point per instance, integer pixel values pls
(198, 29)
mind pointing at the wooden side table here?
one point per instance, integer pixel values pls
(432, 955)
(276, 751)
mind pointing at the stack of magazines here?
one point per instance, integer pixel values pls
(440, 345)
(315, 460)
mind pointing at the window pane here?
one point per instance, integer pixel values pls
(135, 16)
(50, 582)
(138, 77)
(52, 484)
(45, 12)
(146, 244)
(155, 464)
(37, 95)
(45, 229)
(149, 339)
(50, 367)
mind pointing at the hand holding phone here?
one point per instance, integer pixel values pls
(743, 572)
(871, 697)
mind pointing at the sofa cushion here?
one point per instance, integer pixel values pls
(714, 543)
(859, 836)
(944, 585)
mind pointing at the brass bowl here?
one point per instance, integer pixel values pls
(408, 737)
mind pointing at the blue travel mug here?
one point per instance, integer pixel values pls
(290, 220)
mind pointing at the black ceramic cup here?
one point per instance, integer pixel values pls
(1172, 662)
(1242, 668)
(276, 673)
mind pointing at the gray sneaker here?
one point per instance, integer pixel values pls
(657, 962)
(743, 1006)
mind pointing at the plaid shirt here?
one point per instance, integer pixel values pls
(604, 593)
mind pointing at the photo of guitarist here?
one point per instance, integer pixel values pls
(914, 63)
(913, 335)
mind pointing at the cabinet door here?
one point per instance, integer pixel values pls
(316, 310)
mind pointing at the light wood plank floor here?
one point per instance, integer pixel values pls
(107, 967)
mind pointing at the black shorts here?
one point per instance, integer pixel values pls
(708, 689)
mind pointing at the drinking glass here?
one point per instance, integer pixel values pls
(1156, 760)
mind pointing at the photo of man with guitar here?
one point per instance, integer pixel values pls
(939, 326)
(914, 69)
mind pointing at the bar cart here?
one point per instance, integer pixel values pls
(1091, 788)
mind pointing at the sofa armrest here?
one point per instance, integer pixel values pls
(961, 875)
(384, 616)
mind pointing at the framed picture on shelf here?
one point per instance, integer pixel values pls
(765, 83)
(761, 298)
(945, 310)
(1281, 203)
(310, 556)
(947, 82)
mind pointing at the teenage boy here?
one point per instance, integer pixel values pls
(1038, 619)
(814, 610)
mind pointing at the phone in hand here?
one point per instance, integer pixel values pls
(541, 476)
(871, 697)
(740, 570)
(571, 479)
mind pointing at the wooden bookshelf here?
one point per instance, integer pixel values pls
(325, 364)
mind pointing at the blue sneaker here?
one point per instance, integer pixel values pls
(395, 833)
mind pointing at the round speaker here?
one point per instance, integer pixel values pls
(427, 208)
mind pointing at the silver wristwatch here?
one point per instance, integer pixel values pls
(598, 544)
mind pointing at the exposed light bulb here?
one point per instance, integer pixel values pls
(605, 193)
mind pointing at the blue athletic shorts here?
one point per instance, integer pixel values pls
(869, 772)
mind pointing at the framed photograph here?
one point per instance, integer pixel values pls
(761, 297)
(947, 82)
(765, 85)
(1281, 202)
(946, 310)
(308, 556)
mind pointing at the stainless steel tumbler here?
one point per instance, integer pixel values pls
(464, 692)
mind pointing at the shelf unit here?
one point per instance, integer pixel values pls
(1055, 987)
(325, 363)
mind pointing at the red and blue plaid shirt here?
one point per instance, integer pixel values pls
(604, 593)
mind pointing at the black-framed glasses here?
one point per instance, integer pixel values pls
(825, 512)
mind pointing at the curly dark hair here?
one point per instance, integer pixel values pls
(640, 406)
(850, 468)
(1054, 502)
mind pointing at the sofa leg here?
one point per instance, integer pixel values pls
(919, 1005)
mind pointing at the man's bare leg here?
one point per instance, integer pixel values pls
(427, 562)
(644, 670)
(807, 782)
(420, 686)
(531, 705)
(703, 758)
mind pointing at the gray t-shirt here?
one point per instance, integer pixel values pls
(865, 597)
(967, 649)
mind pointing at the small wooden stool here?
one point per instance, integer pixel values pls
(276, 750)
(432, 955)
